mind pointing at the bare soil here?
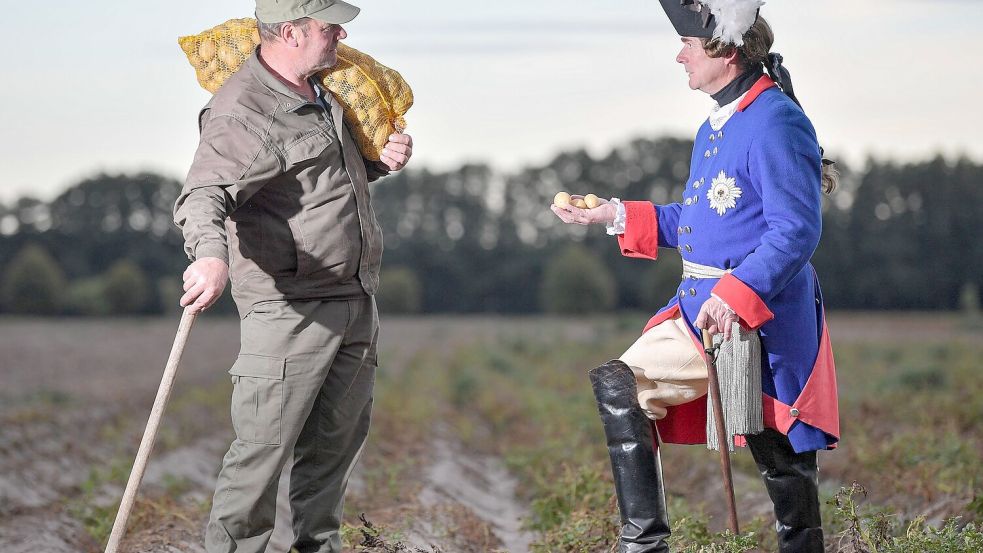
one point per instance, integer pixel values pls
(76, 394)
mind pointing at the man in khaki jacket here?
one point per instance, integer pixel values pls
(277, 200)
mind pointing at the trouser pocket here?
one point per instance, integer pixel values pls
(257, 398)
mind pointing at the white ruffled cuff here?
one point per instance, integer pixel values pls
(618, 225)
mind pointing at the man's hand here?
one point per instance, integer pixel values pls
(397, 152)
(204, 281)
(716, 317)
(604, 213)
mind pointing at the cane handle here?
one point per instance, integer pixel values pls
(707, 339)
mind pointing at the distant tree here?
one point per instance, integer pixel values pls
(87, 296)
(33, 283)
(661, 280)
(169, 292)
(969, 301)
(895, 235)
(399, 291)
(576, 281)
(106, 218)
(127, 289)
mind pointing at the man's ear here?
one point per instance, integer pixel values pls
(732, 57)
(289, 33)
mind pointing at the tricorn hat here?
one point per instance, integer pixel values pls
(726, 20)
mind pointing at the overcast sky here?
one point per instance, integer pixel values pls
(103, 86)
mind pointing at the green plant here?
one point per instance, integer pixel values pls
(399, 291)
(577, 281)
(33, 283)
(869, 530)
(127, 289)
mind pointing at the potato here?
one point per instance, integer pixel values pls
(373, 97)
(221, 76)
(207, 49)
(561, 199)
(229, 57)
(592, 201)
(579, 202)
(245, 46)
(380, 137)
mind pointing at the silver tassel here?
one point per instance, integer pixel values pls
(739, 374)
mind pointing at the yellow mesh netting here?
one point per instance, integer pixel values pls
(374, 97)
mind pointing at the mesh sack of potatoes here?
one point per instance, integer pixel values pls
(375, 98)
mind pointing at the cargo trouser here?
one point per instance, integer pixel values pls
(302, 387)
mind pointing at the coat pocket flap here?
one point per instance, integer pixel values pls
(307, 146)
(259, 366)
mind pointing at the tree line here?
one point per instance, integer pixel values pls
(897, 235)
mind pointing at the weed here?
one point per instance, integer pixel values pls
(374, 540)
(869, 530)
(581, 531)
(176, 486)
(690, 534)
(96, 519)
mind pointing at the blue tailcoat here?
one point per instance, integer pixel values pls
(752, 204)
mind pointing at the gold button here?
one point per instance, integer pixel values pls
(692, 291)
(793, 412)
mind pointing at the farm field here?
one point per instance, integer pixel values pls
(485, 435)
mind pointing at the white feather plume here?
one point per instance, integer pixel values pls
(733, 18)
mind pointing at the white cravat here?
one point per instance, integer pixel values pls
(721, 114)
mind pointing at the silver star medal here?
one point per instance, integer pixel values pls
(723, 193)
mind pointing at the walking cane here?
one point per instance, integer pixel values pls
(722, 439)
(150, 434)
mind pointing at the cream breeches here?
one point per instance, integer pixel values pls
(669, 369)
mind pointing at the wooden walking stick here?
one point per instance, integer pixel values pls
(722, 439)
(150, 434)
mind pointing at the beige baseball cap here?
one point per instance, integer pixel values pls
(329, 11)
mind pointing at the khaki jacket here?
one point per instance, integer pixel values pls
(277, 192)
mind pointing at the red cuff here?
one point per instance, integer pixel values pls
(744, 301)
(641, 237)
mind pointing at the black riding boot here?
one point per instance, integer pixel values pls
(792, 480)
(634, 460)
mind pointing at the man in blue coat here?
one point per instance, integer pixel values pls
(746, 226)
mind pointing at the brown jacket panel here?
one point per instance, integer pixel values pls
(280, 194)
